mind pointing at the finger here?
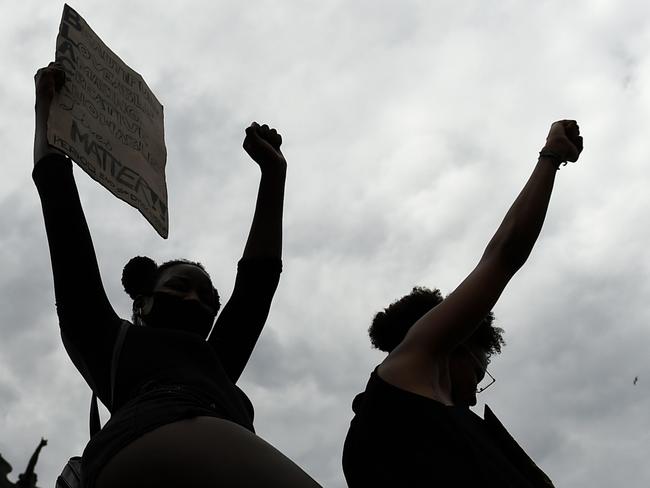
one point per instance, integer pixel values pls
(557, 127)
(39, 73)
(246, 144)
(55, 73)
(45, 78)
(275, 139)
(573, 133)
(578, 144)
(45, 86)
(52, 65)
(571, 125)
(253, 129)
(564, 123)
(59, 79)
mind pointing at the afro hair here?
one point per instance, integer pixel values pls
(390, 326)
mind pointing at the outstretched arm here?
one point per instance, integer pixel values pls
(242, 319)
(34, 459)
(455, 318)
(87, 320)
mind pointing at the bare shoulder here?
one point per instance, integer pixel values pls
(416, 373)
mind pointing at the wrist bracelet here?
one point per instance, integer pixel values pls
(557, 159)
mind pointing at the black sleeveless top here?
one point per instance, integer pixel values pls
(399, 438)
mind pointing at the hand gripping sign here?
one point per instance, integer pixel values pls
(109, 122)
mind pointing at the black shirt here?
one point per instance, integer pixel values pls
(163, 375)
(399, 438)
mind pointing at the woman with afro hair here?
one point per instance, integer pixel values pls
(412, 425)
(177, 417)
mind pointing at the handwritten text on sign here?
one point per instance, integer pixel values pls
(109, 122)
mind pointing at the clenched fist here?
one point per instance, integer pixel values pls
(263, 145)
(564, 141)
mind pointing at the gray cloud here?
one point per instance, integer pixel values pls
(409, 129)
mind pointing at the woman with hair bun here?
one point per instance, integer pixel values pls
(177, 417)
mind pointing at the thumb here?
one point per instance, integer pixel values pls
(253, 139)
(252, 129)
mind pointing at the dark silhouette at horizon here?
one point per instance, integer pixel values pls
(28, 479)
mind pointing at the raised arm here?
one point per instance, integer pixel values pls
(29, 471)
(87, 320)
(455, 318)
(265, 237)
(242, 319)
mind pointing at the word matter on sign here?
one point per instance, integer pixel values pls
(108, 121)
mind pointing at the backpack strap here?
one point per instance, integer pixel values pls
(95, 424)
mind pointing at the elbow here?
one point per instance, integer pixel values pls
(509, 255)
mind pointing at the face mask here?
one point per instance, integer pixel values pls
(173, 312)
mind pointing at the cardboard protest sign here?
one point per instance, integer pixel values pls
(109, 122)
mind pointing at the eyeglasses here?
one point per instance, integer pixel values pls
(492, 379)
(483, 388)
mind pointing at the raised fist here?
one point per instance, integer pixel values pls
(263, 145)
(564, 140)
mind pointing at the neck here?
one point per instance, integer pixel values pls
(441, 381)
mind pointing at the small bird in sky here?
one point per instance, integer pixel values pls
(636, 378)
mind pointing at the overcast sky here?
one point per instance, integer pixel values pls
(409, 128)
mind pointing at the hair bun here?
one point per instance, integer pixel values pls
(139, 275)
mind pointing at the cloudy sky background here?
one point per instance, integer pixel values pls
(409, 127)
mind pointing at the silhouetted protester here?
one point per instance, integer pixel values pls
(27, 481)
(28, 478)
(178, 418)
(412, 425)
(5, 469)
